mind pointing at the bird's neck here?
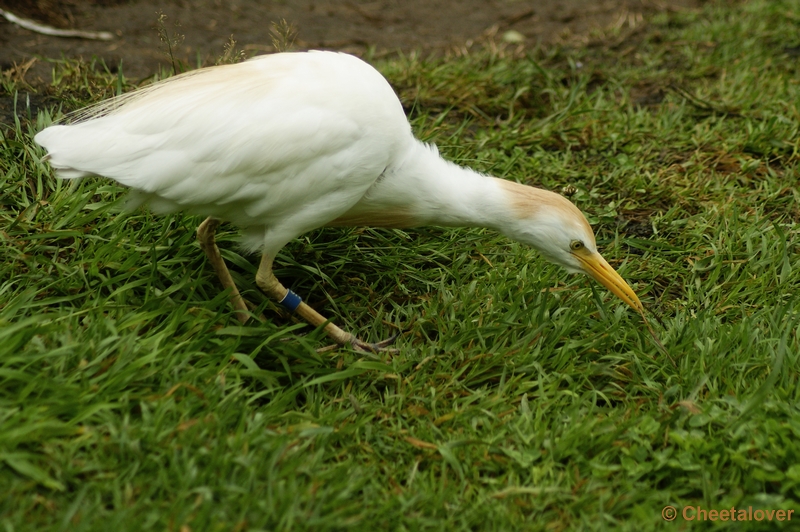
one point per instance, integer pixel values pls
(421, 188)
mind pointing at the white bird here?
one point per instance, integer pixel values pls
(286, 143)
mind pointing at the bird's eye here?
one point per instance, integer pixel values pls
(575, 245)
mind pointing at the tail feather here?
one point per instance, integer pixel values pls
(65, 172)
(48, 139)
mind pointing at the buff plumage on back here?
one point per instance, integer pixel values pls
(241, 141)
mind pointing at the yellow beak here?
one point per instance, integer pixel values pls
(596, 266)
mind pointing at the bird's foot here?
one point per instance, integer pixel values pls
(365, 347)
(377, 347)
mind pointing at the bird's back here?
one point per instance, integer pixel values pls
(251, 142)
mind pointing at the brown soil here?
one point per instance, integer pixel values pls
(351, 25)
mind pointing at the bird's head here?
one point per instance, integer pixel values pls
(555, 227)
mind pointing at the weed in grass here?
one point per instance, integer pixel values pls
(170, 41)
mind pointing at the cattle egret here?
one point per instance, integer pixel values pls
(286, 143)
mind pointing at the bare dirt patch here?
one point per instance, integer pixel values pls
(355, 26)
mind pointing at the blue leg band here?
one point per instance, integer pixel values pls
(290, 301)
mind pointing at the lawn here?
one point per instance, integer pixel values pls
(521, 397)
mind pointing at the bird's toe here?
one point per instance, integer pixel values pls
(377, 347)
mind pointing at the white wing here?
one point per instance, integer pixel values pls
(287, 137)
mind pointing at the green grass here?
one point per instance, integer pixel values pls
(521, 398)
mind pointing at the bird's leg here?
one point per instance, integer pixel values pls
(270, 285)
(205, 234)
